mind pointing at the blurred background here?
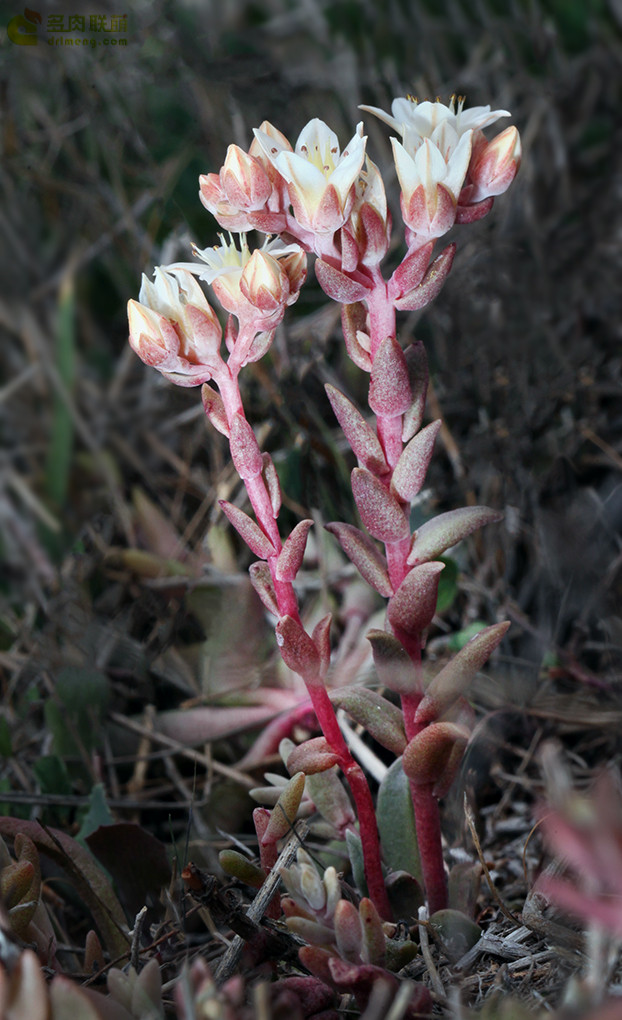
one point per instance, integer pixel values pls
(109, 476)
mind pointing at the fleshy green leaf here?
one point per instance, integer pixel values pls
(442, 532)
(453, 680)
(382, 720)
(396, 823)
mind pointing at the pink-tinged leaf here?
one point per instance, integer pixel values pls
(411, 468)
(348, 930)
(377, 233)
(389, 387)
(364, 554)
(215, 409)
(431, 283)
(316, 960)
(417, 362)
(321, 640)
(91, 883)
(359, 433)
(410, 271)
(361, 979)
(394, 665)
(245, 451)
(273, 485)
(445, 779)
(382, 515)
(442, 532)
(313, 933)
(380, 718)
(374, 942)
(413, 606)
(298, 650)
(337, 285)
(267, 851)
(331, 800)
(194, 726)
(471, 213)
(291, 555)
(261, 580)
(354, 322)
(429, 752)
(251, 533)
(315, 755)
(283, 815)
(350, 254)
(454, 679)
(261, 345)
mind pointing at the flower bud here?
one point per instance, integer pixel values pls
(494, 165)
(173, 328)
(264, 284)
(244, 180)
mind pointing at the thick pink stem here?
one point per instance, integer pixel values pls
(427, 817)
(322, 705)
(427, 820)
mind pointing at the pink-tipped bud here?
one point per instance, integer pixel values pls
(213, 197)
(174, 329)
(244, 180)
(264, 284)
(495, 165)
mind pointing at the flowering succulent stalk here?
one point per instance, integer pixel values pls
(332, 203)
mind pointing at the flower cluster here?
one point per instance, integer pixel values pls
(320, 199)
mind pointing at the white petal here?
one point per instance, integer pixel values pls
(427, 116)
(406, 168)
(459, 164)
(446, 138)
(430, 164)
(345, 174)
(393, 122)
(479, 117)
(271, 146)
(316, 136)
(299, 171)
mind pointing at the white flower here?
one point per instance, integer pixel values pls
(320, 178)
(409, 115)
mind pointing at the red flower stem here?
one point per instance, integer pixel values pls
(322, 705)
(425, 804)
(428, 823)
